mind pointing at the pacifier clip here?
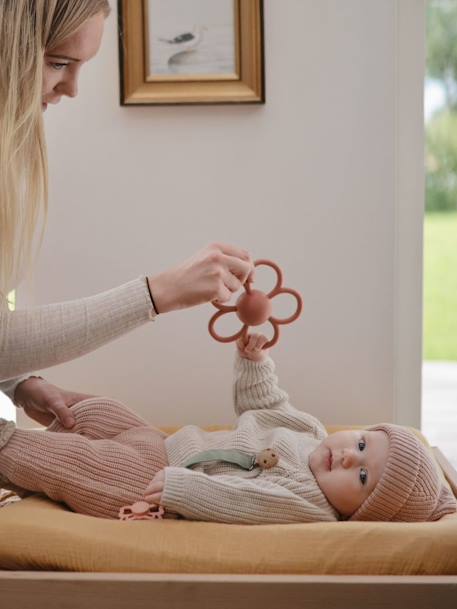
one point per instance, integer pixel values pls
(265, 459)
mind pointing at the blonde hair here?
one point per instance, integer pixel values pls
(27, 29)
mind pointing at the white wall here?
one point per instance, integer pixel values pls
(325, 179)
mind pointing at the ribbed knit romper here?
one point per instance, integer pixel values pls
(105, 461)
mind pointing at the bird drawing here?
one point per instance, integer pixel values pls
(182, 43)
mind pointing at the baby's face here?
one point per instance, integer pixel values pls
(347, 466)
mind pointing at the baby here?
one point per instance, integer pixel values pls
(277, 465)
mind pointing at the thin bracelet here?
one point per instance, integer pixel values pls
(152, 299)
(32, 376)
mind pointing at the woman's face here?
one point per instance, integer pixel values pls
(63, 63)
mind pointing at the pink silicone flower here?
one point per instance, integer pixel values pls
(254, 308)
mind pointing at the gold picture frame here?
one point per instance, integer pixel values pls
(148, 76)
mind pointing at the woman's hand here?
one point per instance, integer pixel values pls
(213, 273)
(42, 401)
(154, 490)
(251, 347)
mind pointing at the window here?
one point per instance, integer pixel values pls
(439, 391)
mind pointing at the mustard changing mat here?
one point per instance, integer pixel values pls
(38, 534)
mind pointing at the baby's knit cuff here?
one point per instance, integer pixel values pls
(242, 363)
(256, 385)
(173, 489)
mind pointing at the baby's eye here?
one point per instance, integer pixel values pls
(362, 445)
(363, 476)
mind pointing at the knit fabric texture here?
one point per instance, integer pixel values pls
(410, 488)
(105, 460)
(52, 334)
(223, 492)
(103, 463)
(6, 431)
(109, 457)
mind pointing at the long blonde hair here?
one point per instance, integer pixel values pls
(27, 29)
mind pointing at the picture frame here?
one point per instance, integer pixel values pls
(191, 52)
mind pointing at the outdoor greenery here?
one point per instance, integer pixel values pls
(441, 129)
(442, 46)
(440, 286)
(440, 227)
(441, 161)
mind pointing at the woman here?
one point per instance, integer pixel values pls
(43, 46)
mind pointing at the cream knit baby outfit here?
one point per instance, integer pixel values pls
(115, 454)
(221, 492)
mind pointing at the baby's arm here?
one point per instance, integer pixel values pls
(255, 385)
(234, 500)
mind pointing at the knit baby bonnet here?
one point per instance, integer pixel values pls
(410, 488)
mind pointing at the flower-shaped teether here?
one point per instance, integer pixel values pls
(141, 510)
(254, 308)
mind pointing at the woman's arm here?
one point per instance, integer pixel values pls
(8, 387)
(52, 334)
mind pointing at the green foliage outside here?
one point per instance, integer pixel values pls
(441, 129)
(441, 162)
(440, 286)
(442, 47)
(440, 227)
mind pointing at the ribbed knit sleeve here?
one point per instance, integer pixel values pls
(233, 500)
(256, 388)
(52, 334)
(255, 385)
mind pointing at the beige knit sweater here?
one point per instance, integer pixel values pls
(48, 335)
(223, 492)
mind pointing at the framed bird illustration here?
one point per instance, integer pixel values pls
(191, 52)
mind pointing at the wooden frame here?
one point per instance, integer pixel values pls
(246, 86)
(47, 589)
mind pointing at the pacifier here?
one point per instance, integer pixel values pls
(141, 510)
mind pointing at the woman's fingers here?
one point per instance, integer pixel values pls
(232, 250)
(235, 274)
(240, 269)
(212, 274)
(63, 414)
(238, 262)
(37, 415)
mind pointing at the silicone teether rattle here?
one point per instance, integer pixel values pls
(254, 308)
(141, 510)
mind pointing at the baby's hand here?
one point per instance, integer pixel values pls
(153, 492)
(251, 348)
